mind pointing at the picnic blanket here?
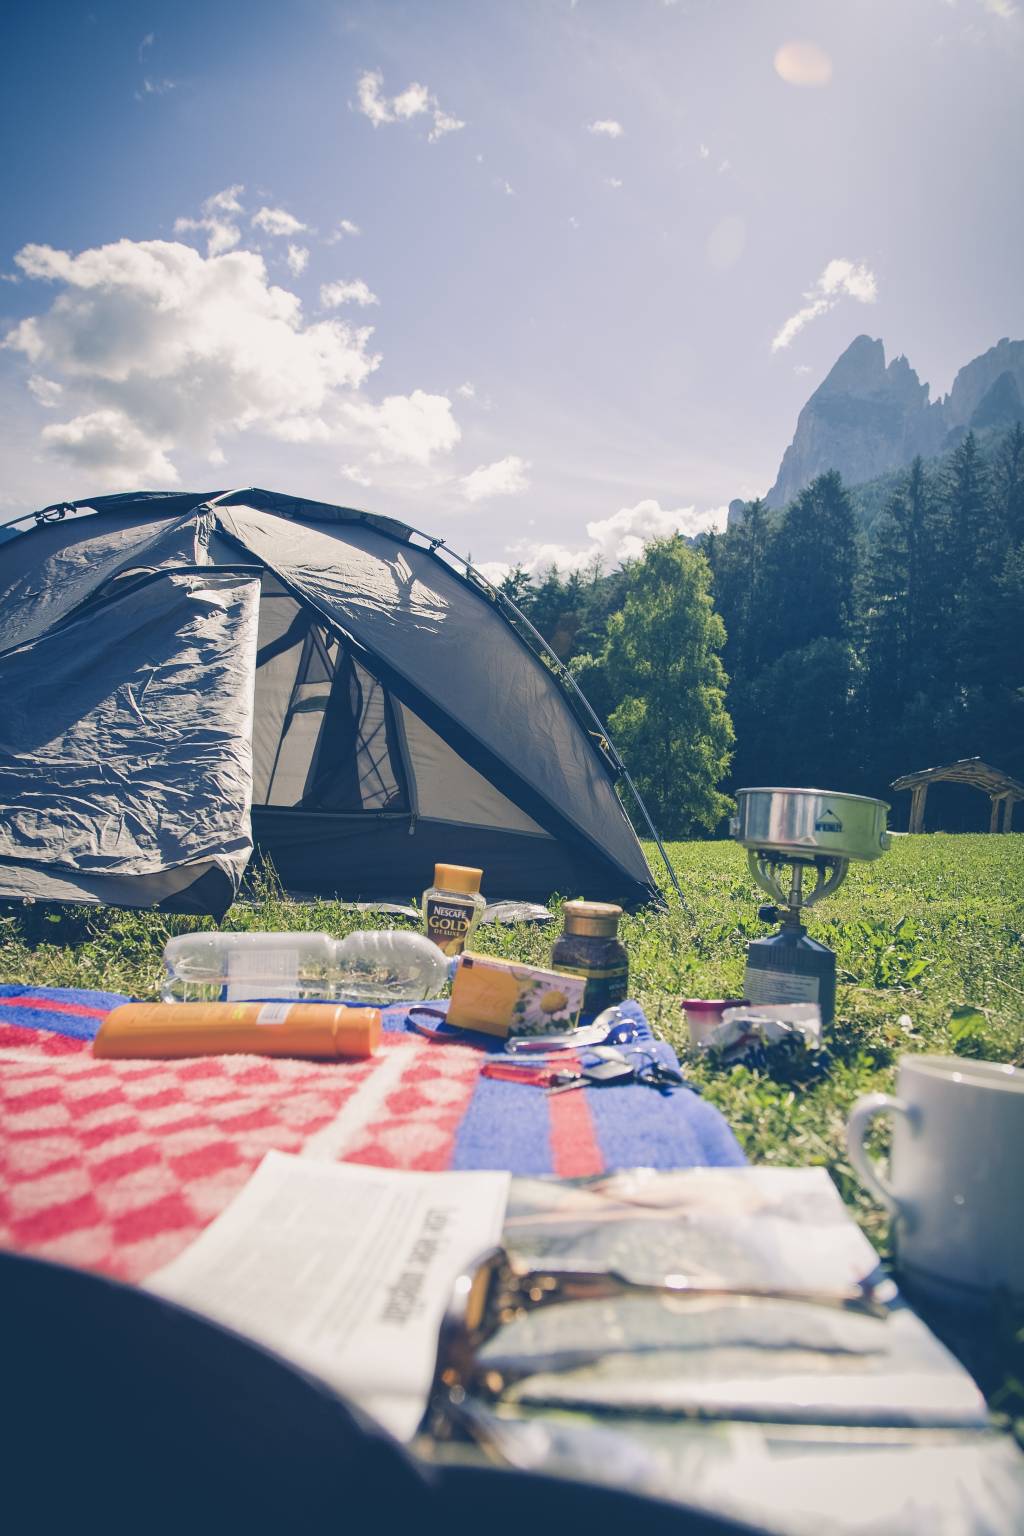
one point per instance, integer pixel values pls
(118, 1165)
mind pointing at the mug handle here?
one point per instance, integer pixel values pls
(861, 1116)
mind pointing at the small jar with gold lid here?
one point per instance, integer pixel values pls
(453, 906)
(590, 947)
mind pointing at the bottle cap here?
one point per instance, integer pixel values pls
(592, 919)
(458, 877)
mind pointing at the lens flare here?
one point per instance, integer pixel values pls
(803, 63)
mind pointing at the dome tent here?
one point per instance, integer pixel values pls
(186, 677)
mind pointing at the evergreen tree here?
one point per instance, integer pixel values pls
(662, 666)
(969, 510)
(813, 568)
(800, 719)
(905, 637)
(1008, 489)
(516, 586)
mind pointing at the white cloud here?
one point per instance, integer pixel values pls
(614, 182)
(146, 44)
(415, 101)
(412, 101)
(574, 222)
(297, 259)
(617, 538)
(608, 127)
(803, 63)
(466, 391)
(444, 123)
(371, 103)
(222, 232)
(111, 449)
(356, 474)
(151, 87)
(506, 186)
(840, 278)
(47, 391)
(162, 351)
(493, 571)
(333, 295)
(410, 428)
(277, 221)
(704, 152)
(506, 477)
(623, 535)
(344, 227)
(802, 368)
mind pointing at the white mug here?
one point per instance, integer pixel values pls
(956, 1173)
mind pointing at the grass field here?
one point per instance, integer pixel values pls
(930, 947)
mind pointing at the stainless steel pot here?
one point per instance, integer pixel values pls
(808, 823)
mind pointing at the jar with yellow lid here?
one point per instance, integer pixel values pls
(590, 947)
(453, 906)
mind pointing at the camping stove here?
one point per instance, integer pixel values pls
(800, 843)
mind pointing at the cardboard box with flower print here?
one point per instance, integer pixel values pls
(501, 997)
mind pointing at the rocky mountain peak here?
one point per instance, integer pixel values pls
(866, 418)
(859, 370)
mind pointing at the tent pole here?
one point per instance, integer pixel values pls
(567, 680)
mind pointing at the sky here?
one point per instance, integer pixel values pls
(543, 278)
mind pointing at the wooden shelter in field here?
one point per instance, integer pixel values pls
(1002, 789)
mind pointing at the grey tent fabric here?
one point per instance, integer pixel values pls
(125, 736)
(371, 707)
(409, 611)
(47, 576)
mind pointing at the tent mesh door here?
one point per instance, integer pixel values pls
(325, 736)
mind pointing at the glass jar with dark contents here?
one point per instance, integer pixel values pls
(590, 947)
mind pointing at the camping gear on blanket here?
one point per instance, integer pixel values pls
(809, 830)
(161, 1030)
(600, 1067)
(590, 946)
(955, 1170)
(370, 966)
(505, 997)
(453, 906)
(118, 1165)
(612, 1027)
(188, 676)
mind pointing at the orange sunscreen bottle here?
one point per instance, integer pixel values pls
(322, 1030)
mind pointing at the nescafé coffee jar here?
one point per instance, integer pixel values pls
(453, 906)
(590, 947)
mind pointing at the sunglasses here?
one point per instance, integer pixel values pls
(496, 1290)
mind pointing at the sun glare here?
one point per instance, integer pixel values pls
(803, 63)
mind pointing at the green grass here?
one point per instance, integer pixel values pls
(930, 948)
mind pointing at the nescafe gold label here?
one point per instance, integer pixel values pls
(448, 922)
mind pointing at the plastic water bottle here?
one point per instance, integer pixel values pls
(387, 966)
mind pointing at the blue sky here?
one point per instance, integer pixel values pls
(544, 278)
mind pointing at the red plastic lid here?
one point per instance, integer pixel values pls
(704, 1005)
